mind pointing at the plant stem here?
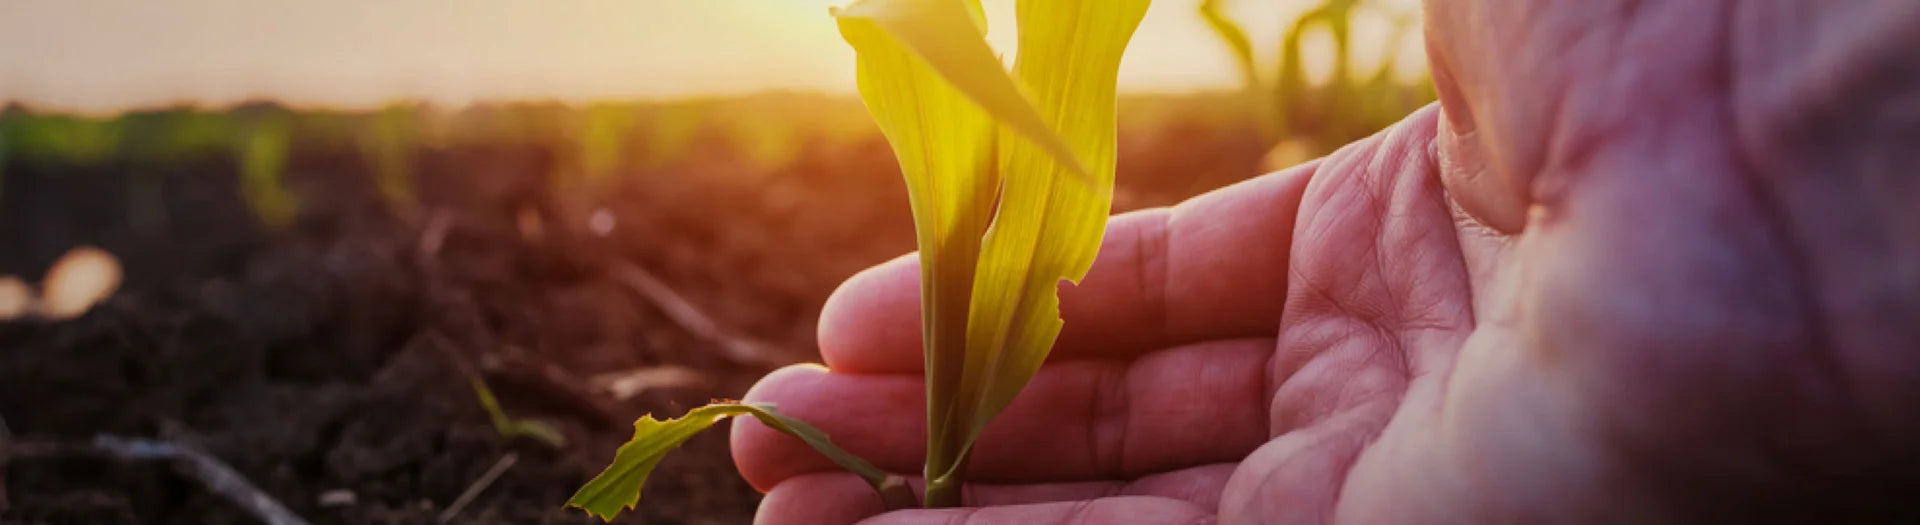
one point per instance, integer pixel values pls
(944, 492)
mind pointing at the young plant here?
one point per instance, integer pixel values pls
(1010, 179)
(1346, 108)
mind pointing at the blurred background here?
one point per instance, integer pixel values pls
(408, 261)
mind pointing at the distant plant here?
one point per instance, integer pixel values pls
(672, 129)
(263, 163)
(1010, 177)
(602, 140)
(387, 142)
(174, 135)
(1345, 108)
(77, 140)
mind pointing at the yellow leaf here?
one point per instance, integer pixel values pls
(943, 143)
(965, 134)
(1049, 224)
(947, 35)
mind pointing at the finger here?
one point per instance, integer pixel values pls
(1211, 268)
(1077, 420)
(840, 497)
(1140, 510)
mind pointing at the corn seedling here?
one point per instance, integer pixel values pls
(263, 162)
(1346, 108)
(1010, 177)
(672, 130)
(507, 426)
(75, 140)
(387, 141)
(602, 139)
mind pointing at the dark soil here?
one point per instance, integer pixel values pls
(332, 355)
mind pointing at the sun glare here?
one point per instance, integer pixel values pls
(358, 53)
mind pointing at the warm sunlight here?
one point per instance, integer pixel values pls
(434, 261)
(837, 261)
(109, 54)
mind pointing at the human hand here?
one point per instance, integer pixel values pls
(1655, 263)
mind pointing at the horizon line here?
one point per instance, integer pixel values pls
(297, 105)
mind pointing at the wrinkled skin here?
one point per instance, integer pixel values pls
(1647, 262)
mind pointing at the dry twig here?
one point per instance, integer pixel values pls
(486, 480)
(435, 234)
(738, 348)
(190, 462)
(626, 384)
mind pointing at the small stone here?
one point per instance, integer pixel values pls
(601, 222)
(337, 498)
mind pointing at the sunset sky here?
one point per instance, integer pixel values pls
(103, 55)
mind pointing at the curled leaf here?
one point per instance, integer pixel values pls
(618, 487)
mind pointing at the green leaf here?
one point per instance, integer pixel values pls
(509, 427)
(618, 487)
